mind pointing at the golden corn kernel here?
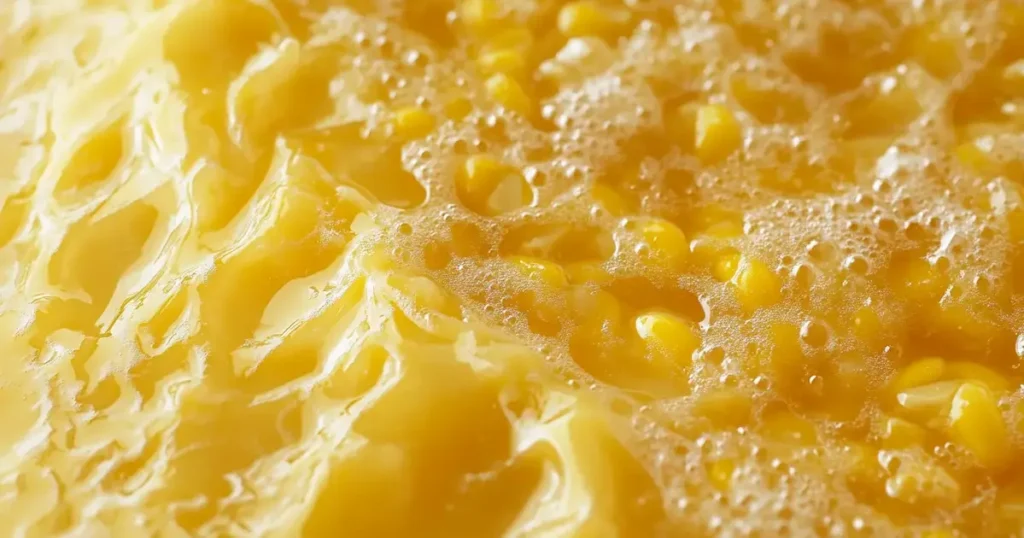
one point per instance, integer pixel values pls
(412, 122)
(788, 427)
(458, 108)
(725, 266)
(664, 241)
(972, 371)
(932, 398)
(491, 187)
(720, 473)
(919, 372)
(975, 158)
(900, 433)
(584, 18)
(725, 407)
(668, 336)
(595, 310)
(917, 477)
(922, 281)
(866, 324)
(976, 423)
(937, 533)
(480, 16)
(508, 61)
(756, 285)
(717, 133)
(543, 271)
(518, 39)
(504, 90)
(724, 229)
(610, 200)
(586, 272)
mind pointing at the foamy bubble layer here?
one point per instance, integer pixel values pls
(523, 268)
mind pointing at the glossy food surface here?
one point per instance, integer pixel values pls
(525, 268)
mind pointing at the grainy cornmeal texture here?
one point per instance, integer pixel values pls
(524, 268)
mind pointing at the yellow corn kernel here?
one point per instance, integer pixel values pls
(610, 200)
(584, 18)
(922, 281)
(458, 108)
(668, 336)
(504, 90)
(975, 158)
(518, 39)
(508, 61)
(900, 433)
(543, 271)
(412, 122)
(919, 372)
(720, 473)
(757, 286)
(725, 265)
(931, 399)
(596, 310)
(664, 241)
(717, 133)
(586, 273)
(724, 229)
(480, 16)
(972, 371)
(866, 324)
(917, 477)
(937, 533)
(787, 427)
(976, 423)
(491, 187)
(725, 407)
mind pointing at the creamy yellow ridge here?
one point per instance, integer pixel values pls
(523, 268)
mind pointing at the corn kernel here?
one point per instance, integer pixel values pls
(725, 407)
(757, 286)
(922, 281)
(975, 158)
(596, 310)
(480, 16)
(517, 39)
(458, 108)
(610, 200)
(586, 273)
(916, 477)
(724, 229)
(543, 271)
(668, 336)
(972, 371)
(492, 188)
(508, 93)
(412, 122)
(725, 265)
(720, 473)
(788, 427)
(900, 433)
(866, 324)
(717, 133)
(664, 241)
(507, 61)
(919, 372)
(976, 423)
(932, 399)
(584, 18)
